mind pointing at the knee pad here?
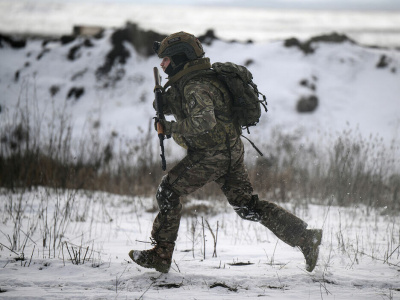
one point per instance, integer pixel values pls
(167, 199)
(249, 211)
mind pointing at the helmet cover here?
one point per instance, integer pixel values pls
(180, 42)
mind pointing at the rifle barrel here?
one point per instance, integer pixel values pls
(160, 115)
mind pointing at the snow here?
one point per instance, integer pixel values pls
(359, 256)
(250, 263)
(353, 93)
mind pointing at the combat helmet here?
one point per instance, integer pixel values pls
(179, 43)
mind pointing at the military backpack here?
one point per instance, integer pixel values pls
(246, 106)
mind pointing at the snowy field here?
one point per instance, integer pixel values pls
(359, 258)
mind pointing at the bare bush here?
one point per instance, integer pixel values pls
(353, 170)
(40, 151)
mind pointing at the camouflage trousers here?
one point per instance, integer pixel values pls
(227, 169)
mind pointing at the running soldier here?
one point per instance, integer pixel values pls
(215, 152)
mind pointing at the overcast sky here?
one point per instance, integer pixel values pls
(290, 4)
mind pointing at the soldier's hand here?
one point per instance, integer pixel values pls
(167, 126)
(164, 101)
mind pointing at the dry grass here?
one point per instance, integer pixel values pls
(353, 170)
(36, 151)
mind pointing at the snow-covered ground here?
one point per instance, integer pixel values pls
(359, 256)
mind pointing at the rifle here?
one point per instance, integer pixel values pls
(160, 115)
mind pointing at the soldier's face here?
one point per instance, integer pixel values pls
(165, 63)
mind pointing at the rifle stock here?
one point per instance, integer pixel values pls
(159, 115)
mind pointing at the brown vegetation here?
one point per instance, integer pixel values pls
(349, 172)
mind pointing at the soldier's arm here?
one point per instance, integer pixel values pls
(200, 105)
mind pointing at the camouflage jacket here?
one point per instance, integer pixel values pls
(201, 107)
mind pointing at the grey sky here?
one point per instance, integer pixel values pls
(288, 4)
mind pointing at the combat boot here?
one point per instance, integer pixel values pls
(309, 245)
(158, 258)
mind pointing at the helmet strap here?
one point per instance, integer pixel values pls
(177, 63)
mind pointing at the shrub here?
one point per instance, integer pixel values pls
(349, 171)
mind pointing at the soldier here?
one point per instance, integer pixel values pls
(215, 152)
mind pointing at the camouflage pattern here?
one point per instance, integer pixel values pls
(286, 226)
(194, 107)
(228, 171)
(180, 42)
(215, 153)
(310, 247)
(158, 258)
